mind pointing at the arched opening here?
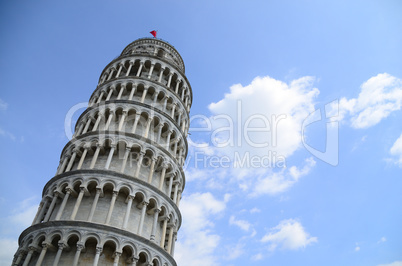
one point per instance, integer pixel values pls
(127, 255)
(88, 254)
(143, 259)
(108, 252)
(161, 53)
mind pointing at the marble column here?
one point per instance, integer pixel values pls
(94, 203)
(111, 207)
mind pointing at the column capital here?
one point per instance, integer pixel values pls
(32, 249)
(171, 225)
(80, 246)
(69, 190)
(99, 250)
(115, 193)
(163, 218)
(116, 254)
(76, 150)
(58, 193)
(62, 245)
(133, 259)
(48, 196)
(130, 197)
(46, 245)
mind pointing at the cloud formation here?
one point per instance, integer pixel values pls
(242, 224)
(378, 98)
(265, 115)
(278, 182)
(255, 128)
(288, 235)
(396, 150)
(7, 249)
(198, 242)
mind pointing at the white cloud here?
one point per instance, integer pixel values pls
(22, 216)
(278, 182)
(395, 263)
(276, 108)
(3, 105)
(396, 150)
(255, 210)
(258, 256)
(7, 249)
(360, 142)
(255, 159)
(7, 134)
(25, 217)
(288, 235)
(382, 240)
(242, 224)
(357, 248)
(198, 242)
(235, 251)
(379, 97)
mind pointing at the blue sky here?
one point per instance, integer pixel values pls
(273, 58)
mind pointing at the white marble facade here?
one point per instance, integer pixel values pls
(115, 196)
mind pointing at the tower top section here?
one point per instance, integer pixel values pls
(155, 47)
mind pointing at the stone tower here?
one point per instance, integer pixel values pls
(114, 199)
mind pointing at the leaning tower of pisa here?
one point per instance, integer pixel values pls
(115, 197)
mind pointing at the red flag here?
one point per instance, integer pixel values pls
(153, 33)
